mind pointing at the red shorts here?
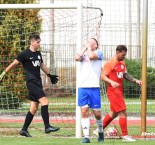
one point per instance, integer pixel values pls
(117, 102)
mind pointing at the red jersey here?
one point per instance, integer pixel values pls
(114, 70)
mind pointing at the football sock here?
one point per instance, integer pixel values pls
(45, 115)
(85, 126)
(99, 124)
(123, 125)
(107, 120)
(28, 120)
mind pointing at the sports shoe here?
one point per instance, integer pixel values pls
(25, 133)
(51, 129)
(100, 137)
(128, 138)
(85, 140)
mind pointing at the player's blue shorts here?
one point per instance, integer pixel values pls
(90, 97)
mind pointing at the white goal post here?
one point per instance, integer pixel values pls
(79, 41)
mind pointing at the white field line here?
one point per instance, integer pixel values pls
(104, 103)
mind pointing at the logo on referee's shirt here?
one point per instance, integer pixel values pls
(39, 57)
(36, 63)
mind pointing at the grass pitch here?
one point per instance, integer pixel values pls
(64, 141)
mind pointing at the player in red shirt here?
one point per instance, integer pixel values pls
(113, 72)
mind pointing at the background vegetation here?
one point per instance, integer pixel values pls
(134, 69)
(15, 28)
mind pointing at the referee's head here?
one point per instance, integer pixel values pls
(33, 36)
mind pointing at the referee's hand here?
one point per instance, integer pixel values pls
(2, 76)
(53, 78)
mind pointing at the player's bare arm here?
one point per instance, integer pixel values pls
(14, 63)
(91, 54)
(131, 79)
(53, 78)
(78, 56)
(44, 68)
(106, 79)
(90, 47)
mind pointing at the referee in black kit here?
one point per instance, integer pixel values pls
(31, 60)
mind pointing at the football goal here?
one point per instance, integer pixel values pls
(64, 29)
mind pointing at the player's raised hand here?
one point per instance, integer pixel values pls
(53, 78)
(2, 76)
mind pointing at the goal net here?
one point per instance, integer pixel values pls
(58, 28)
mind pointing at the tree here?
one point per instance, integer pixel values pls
(15, 28)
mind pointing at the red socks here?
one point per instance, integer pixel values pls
(106, 121)
(123, 125)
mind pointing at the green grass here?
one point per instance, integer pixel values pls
(67, 104)
(67, 132)
(63, 141)
(65, 136)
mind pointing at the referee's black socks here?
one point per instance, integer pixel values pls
(28, 120)
(45, 115)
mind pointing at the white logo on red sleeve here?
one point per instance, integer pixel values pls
(122, 66)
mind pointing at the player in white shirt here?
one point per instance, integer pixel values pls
(90, 58)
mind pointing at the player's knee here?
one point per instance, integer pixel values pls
(85, 112)
(33, 110)
(97, 114)
(113, 114)
(43, 101)
(123, 114)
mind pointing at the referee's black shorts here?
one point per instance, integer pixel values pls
(35, 90)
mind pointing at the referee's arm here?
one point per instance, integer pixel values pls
(12, 65)
(44, 68)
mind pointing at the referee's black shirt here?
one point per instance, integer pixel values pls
(31, 62)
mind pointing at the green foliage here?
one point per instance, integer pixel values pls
(18, 1)
(151, 76)
(134, 68)
(15, 28)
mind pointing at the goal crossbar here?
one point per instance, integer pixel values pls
(37, 6)
(43, 6)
